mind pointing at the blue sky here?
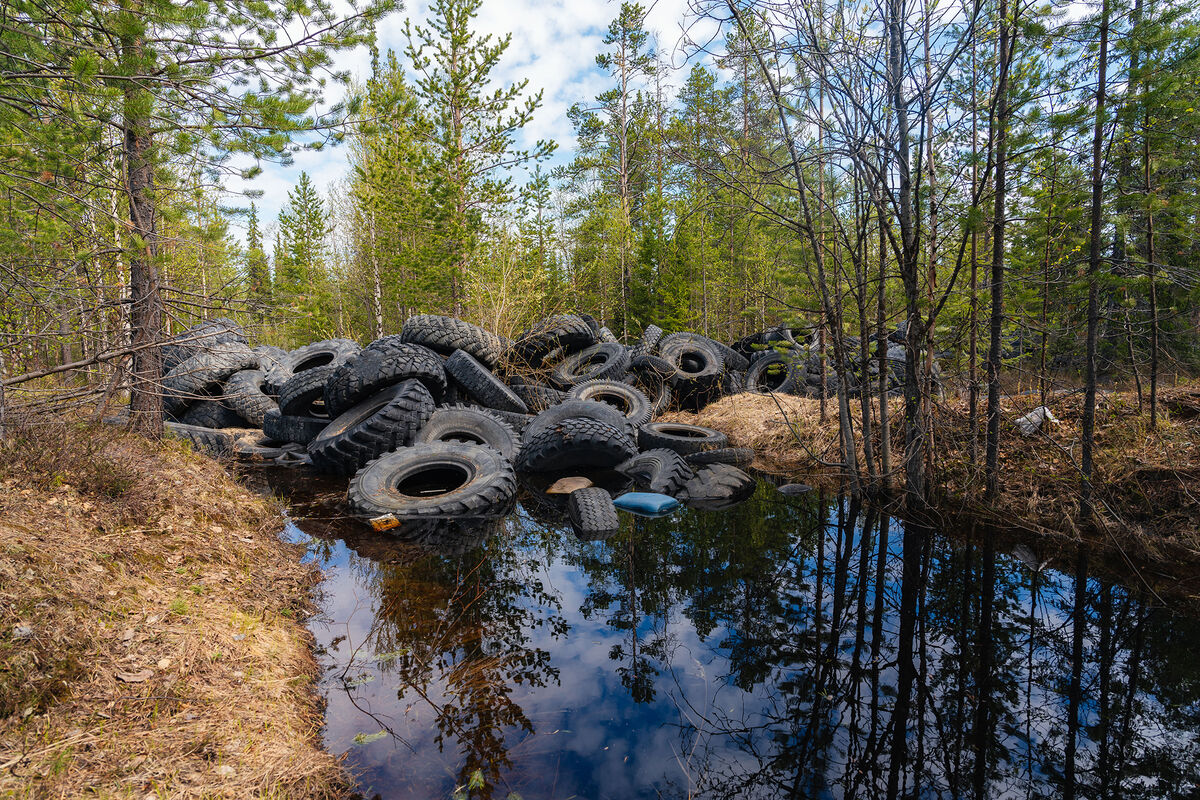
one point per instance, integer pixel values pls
(554, 45)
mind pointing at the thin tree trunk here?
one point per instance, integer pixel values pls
(145, 299)
(997, 320)
(1093, 321)
(881, 342)
(1075, 690)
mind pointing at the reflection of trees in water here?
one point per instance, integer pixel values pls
(460, 629)
(886, 663)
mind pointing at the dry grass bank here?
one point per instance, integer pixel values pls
(151, 641)
(1148, 482)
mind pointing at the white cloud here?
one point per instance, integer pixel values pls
(554, 45)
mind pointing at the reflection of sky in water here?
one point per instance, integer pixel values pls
(814, 716)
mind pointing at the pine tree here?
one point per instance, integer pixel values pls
(258, 274)
(473, 128)
(611, 135)
(301, 275)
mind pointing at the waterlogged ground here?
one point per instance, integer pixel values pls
(786, 647)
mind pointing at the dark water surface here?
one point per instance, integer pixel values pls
(788, 647)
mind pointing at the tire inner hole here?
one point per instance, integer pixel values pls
(686, 433)
(433, 482)
(615, 400)
(690, 363)
(318, 360)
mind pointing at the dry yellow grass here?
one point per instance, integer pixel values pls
(151, 641)
(1147, 482)
(785, 432)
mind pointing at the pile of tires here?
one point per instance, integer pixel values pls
(787, 360)
(445, 419)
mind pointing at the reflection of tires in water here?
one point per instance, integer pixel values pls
(592, 513)
(659, 470)
(717, 487)
(439, 479)
(453, 537)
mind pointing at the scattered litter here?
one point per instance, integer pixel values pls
(135, 677)
(646, 504)
(225, 771)
(1033, 422)
(385, 522)
(795, 488)
(568, 485)
(22, 631)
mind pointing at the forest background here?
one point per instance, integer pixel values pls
(1012, 183)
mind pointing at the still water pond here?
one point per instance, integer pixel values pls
(790, 646)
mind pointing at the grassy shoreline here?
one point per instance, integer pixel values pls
(151, 633)
(1148, 483)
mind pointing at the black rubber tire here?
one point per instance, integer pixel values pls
(772, 373)
(377, 425)
(592, 513)
(648, 344)
(717, 486)
(212, 414)
(578, 408)
(652, 363)
(300, 430)
(683, 439)
(592, 323)
(630, 401)
(734, 361)
(568, 331)
(269, 356)
(203, 374)
(446, 334)
(246, 393)
(380, 365)
(257, 447)
(481, 384)
(748, 345)
(213, 442)
(605, 335)
(737, 456)
(485, 482)
(576, 443)
(696, 359)
(474, 425)
(199, 338)
(536, 397)
(659, 470)
(655, 387)
(328, 352)
(733, 382)
(518, 422)
(608, 360)
(303, 394)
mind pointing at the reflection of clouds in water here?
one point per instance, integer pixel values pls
(747, 578)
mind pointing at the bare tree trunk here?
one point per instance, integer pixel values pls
(885, 423)
(1075, 689)
(997, 319)
(1093, 321)
(973, 346)
(145, 299)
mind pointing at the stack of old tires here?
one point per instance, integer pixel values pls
(787, 360)
(439, 420)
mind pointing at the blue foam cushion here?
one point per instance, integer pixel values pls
(646, 503)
